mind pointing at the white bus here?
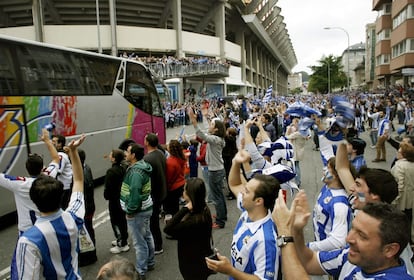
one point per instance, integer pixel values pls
(107, 98)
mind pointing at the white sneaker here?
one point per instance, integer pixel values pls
(117, 249)
(158, 252)
(115, 243)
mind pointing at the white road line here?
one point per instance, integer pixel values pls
(98, 220)
(4, 274)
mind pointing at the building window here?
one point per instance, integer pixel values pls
(399, 19)
(383, 35)
(410, 9)
(399, 49)
(385, 10)
(383, 59)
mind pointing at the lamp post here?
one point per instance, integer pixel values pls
(347, 50)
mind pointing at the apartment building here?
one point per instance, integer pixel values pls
(394, 43)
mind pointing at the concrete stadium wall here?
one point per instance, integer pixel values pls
(128, 37)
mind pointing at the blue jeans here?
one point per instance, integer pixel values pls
(215, 181)
(139, 226)
(374, 137)
(204, 171)
(297, 170)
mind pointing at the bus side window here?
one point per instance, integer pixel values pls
(137, 95)
(156, 105)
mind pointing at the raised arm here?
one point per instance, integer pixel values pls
(247, 136)
(77, 167)
(292, 223)
(263, 133)
(291, 266)
(342, 168)
(235, 181)
(48, 142)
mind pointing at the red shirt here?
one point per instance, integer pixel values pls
(175, 173)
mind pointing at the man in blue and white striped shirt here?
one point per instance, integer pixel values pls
(49, 250)
(254, 250)
(378, 236)
(383, 135)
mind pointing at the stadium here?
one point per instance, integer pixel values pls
(206, 47)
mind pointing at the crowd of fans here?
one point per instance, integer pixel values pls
(173, 60)
(249, 149)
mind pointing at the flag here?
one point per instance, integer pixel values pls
(268, 96)
(180, 136)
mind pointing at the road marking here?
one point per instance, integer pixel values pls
(5, 273)
(98, 220)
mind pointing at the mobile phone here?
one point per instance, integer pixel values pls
(214, 256)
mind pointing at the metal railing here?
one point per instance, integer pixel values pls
(170, 70)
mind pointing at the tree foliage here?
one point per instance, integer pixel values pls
(319, 81)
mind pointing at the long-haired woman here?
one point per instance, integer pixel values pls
(216, 173)
(175, 165)
(191, 226)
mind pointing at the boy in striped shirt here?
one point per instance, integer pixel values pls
(49, 250)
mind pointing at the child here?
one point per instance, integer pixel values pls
(185, 146)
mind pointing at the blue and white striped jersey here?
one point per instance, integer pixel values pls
(254, 249)
(336, 263)
(65, 170)
(49, 250)
(383, 126)
(328, 145)
(331, 219)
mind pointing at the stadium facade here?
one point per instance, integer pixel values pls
(248, 37)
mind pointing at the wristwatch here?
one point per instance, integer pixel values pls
(283, 240)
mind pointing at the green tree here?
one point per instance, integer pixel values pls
(320, 80)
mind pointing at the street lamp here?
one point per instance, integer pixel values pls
(347, 36)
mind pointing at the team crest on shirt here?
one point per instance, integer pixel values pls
(327, 199)
(246, 239)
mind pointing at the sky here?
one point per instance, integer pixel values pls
(305, 21)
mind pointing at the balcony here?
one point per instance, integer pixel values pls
(169, 70)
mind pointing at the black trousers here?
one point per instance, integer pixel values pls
(118, 223)
(155, 225)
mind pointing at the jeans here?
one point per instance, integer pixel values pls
(139, 226)
(297, 170)
(215, 179)
(374, 136)
(204, 171)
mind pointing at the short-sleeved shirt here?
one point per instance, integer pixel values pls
(336, 263)
(49, 250)
(20, 186)
(65, 171)
(358, 162)
(253, 249)
(331, 219)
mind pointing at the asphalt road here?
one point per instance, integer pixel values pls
(166, 267)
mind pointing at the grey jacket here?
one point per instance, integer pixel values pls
(215, 147)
